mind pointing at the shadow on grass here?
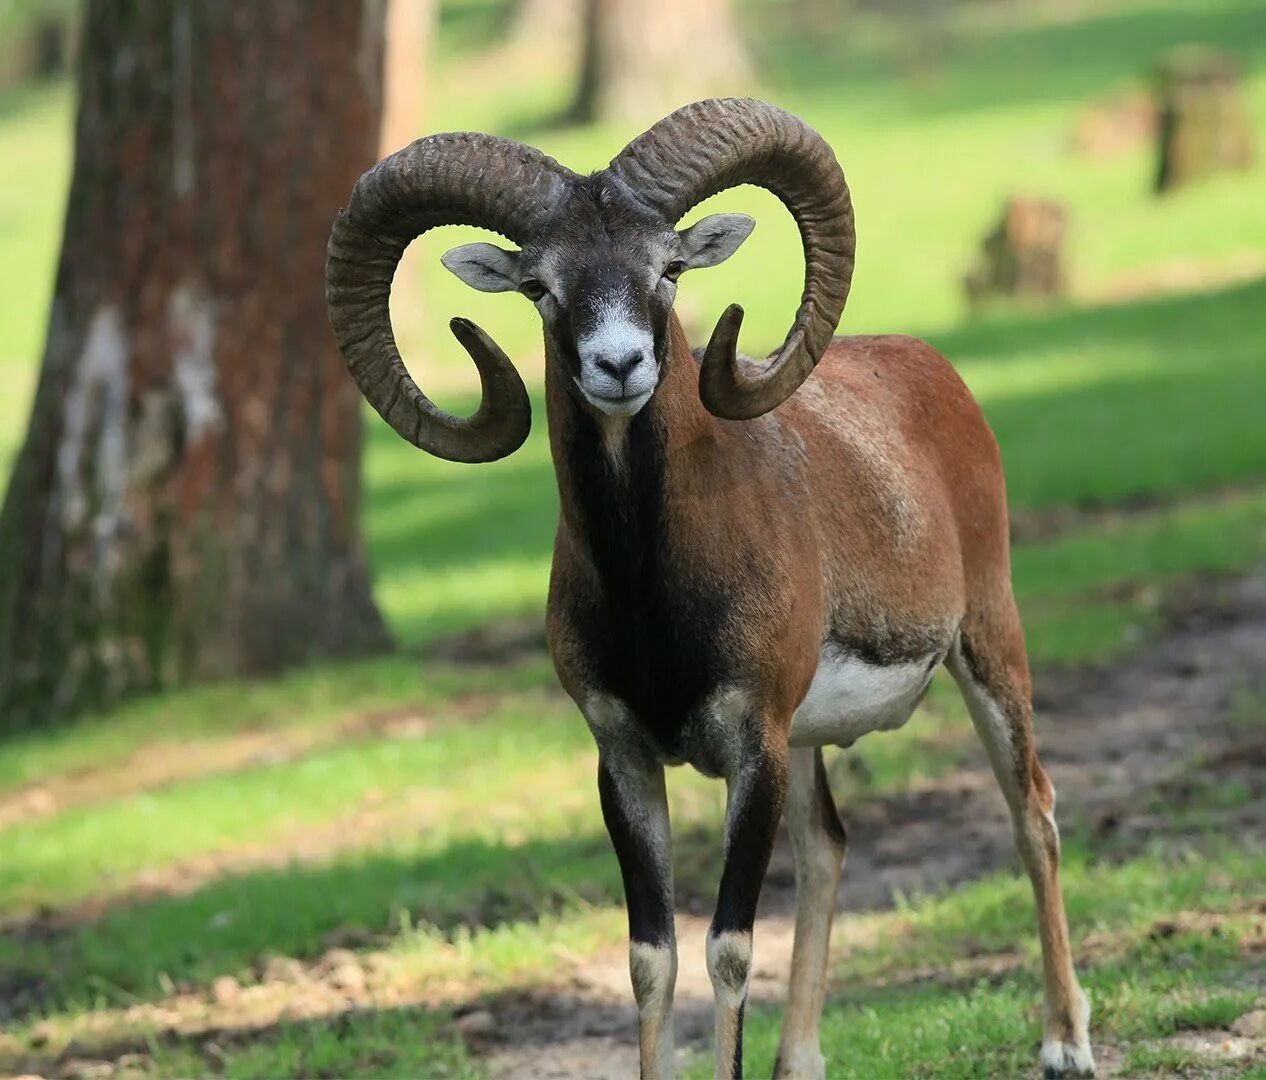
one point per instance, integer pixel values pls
(1176, 405)
(1226, 319)
(229, 924)
(1179, 413)
(450, 518)
(382, 1041)
(981, 67)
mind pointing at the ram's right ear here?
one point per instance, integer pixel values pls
(485, 267)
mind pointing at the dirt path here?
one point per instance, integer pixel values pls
(1157, 729)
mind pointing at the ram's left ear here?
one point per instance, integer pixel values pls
(485, 267)
(714, 239)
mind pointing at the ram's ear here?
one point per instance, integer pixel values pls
(485, 267)
(714, 239)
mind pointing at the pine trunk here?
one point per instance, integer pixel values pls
(643, 58)
(186, 503)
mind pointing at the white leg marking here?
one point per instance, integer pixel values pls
(653, 970)
(730, 966)
(1071, 1059)
(801, 1062)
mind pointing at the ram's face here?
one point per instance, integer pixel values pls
(604, 277)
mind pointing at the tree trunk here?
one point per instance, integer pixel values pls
(409, 25)
(186, 502)
(643, 58)
(546, 30)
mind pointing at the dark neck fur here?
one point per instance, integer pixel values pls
(649, 628)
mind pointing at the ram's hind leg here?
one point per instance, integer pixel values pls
(817, 841)
(988, 661)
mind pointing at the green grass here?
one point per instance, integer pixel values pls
(67, 857)
(475, 850)
(906, 1000)
(58, 860)
(1147, 398)
(310, 699)
(374, 1044)
(1094, 594)
(936, 1022)
(35, 144)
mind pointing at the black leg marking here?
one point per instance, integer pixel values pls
(635, 808)
(642, 852)
(756, 798)
(756, 794)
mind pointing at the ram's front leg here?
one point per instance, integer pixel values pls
(754, 805)
(635, 808)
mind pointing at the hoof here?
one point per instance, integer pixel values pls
(801, 1064)
(1063, 1059)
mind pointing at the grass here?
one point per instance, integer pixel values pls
(460, 836)
(1095, 593)
(521, 740)
(305, 700)
(375, 1044)
(1092, 402)
(1165, 944)
(936, 1020)
(1090, 406)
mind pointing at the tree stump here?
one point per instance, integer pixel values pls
(1022, 257)
(1204, 127)
(1125, 122)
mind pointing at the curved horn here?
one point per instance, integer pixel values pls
(712, 145)
(452, 179)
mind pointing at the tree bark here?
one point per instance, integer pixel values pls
(185, 505)
(409, 25)
(643, 58)
(546, 30)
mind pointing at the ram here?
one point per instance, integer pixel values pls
(754, 559)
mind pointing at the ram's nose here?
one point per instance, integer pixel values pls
(619, 367)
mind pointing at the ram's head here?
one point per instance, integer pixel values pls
(599, 256)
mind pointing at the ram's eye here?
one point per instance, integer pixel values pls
(674, 269)
(532, 289)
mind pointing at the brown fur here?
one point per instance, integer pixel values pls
(879, 495)
(874, 498)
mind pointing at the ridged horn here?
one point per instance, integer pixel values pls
(708, 146)
(458, 178)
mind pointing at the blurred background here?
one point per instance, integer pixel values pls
(286, 785)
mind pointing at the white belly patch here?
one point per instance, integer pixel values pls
(849, 698)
